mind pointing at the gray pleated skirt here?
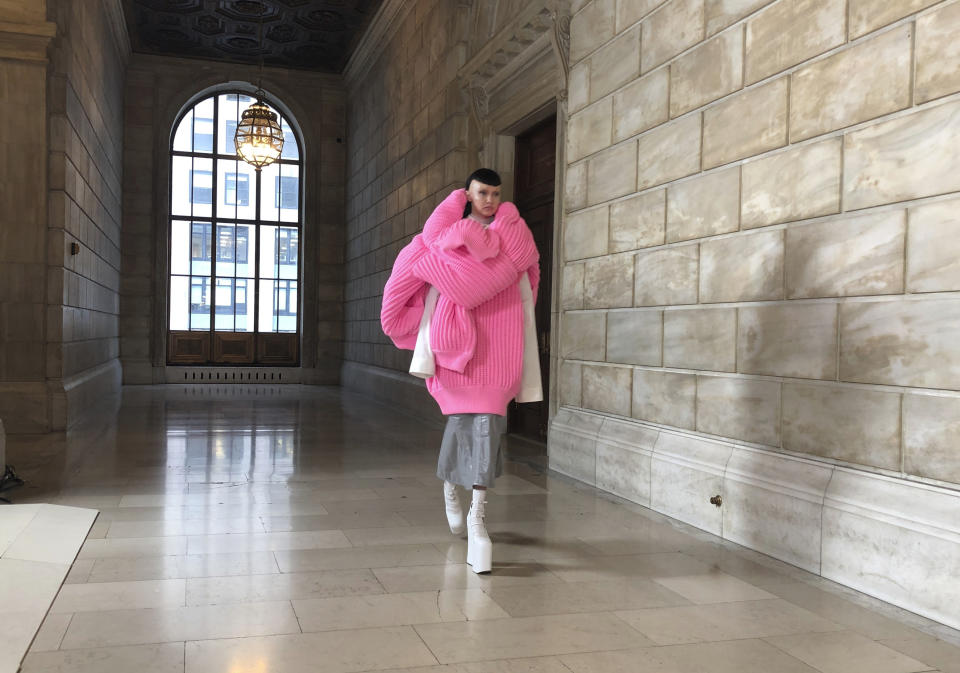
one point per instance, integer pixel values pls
(470, 451)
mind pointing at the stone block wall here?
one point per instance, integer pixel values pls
(407, 148)
(89, 61)
(62, 79)
(763, 225)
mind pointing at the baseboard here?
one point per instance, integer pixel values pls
(892, 538)
(395, 388)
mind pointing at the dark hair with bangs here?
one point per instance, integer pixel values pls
(485, 175)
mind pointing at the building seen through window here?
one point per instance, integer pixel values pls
(234, 232)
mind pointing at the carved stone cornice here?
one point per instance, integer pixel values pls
(541, 26)
(390, 14)
(26, 41)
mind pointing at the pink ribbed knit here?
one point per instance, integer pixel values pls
(477, 328)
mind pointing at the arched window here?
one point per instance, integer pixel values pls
(235, 241)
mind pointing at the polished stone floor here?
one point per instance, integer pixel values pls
(291, 529)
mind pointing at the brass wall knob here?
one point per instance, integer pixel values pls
(716, 500)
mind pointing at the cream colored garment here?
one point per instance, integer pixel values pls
(422, 365)
(531, 388)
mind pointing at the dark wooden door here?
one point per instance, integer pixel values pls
(536, 155)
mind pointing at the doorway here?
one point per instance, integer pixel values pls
(535, 171)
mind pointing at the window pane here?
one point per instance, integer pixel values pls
(200, 190)
(224, 304)
(180, 302)
(269, 196)
(288, 194)
(226, 242)
(201, 245)
(268, 295)
(286, 306)
(290, 150)
(181, 139)
(200, 303)
(228, 109)
(203, 126)
(246, 250)
(235, 181)
(180, 247)
(269, 244)
(243, 305)
(201, 187)
(288, 252)
(180, 186)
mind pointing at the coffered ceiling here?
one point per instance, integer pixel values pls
(316, 35)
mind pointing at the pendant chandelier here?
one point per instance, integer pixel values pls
(259, 138)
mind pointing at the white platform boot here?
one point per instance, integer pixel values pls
(479, 547)
(454, 511)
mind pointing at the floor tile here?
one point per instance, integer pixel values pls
(724, 621)
(460, 576)
(162, 658)
(359, 612)
(837, 609)
(741, 656)
(240, 542)
(571, 597)
(525, 665)
(174, 527)
(339, 652)
(362, 537)
(176, 567)
(527, 636)
(714, 587)
(120, 596)
(133, 547)
(135, 627)
(333, 521)
(936, 653)
(845, 651)
(649, 566)
(51, 632)
(305, 560)
(279, 587)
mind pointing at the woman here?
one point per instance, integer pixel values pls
(477, 253)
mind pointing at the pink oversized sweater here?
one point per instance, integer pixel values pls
(477, 329)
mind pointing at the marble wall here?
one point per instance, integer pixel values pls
(760, 297)
(62, 78)
(760, 240)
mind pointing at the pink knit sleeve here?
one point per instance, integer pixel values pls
(403, 298)
(449, 211)
(516, 240)
(464, 280)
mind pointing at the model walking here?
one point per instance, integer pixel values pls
(462, 291)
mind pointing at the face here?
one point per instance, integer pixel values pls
(484, 199)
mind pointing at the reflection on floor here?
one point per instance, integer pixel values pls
(294, 529)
